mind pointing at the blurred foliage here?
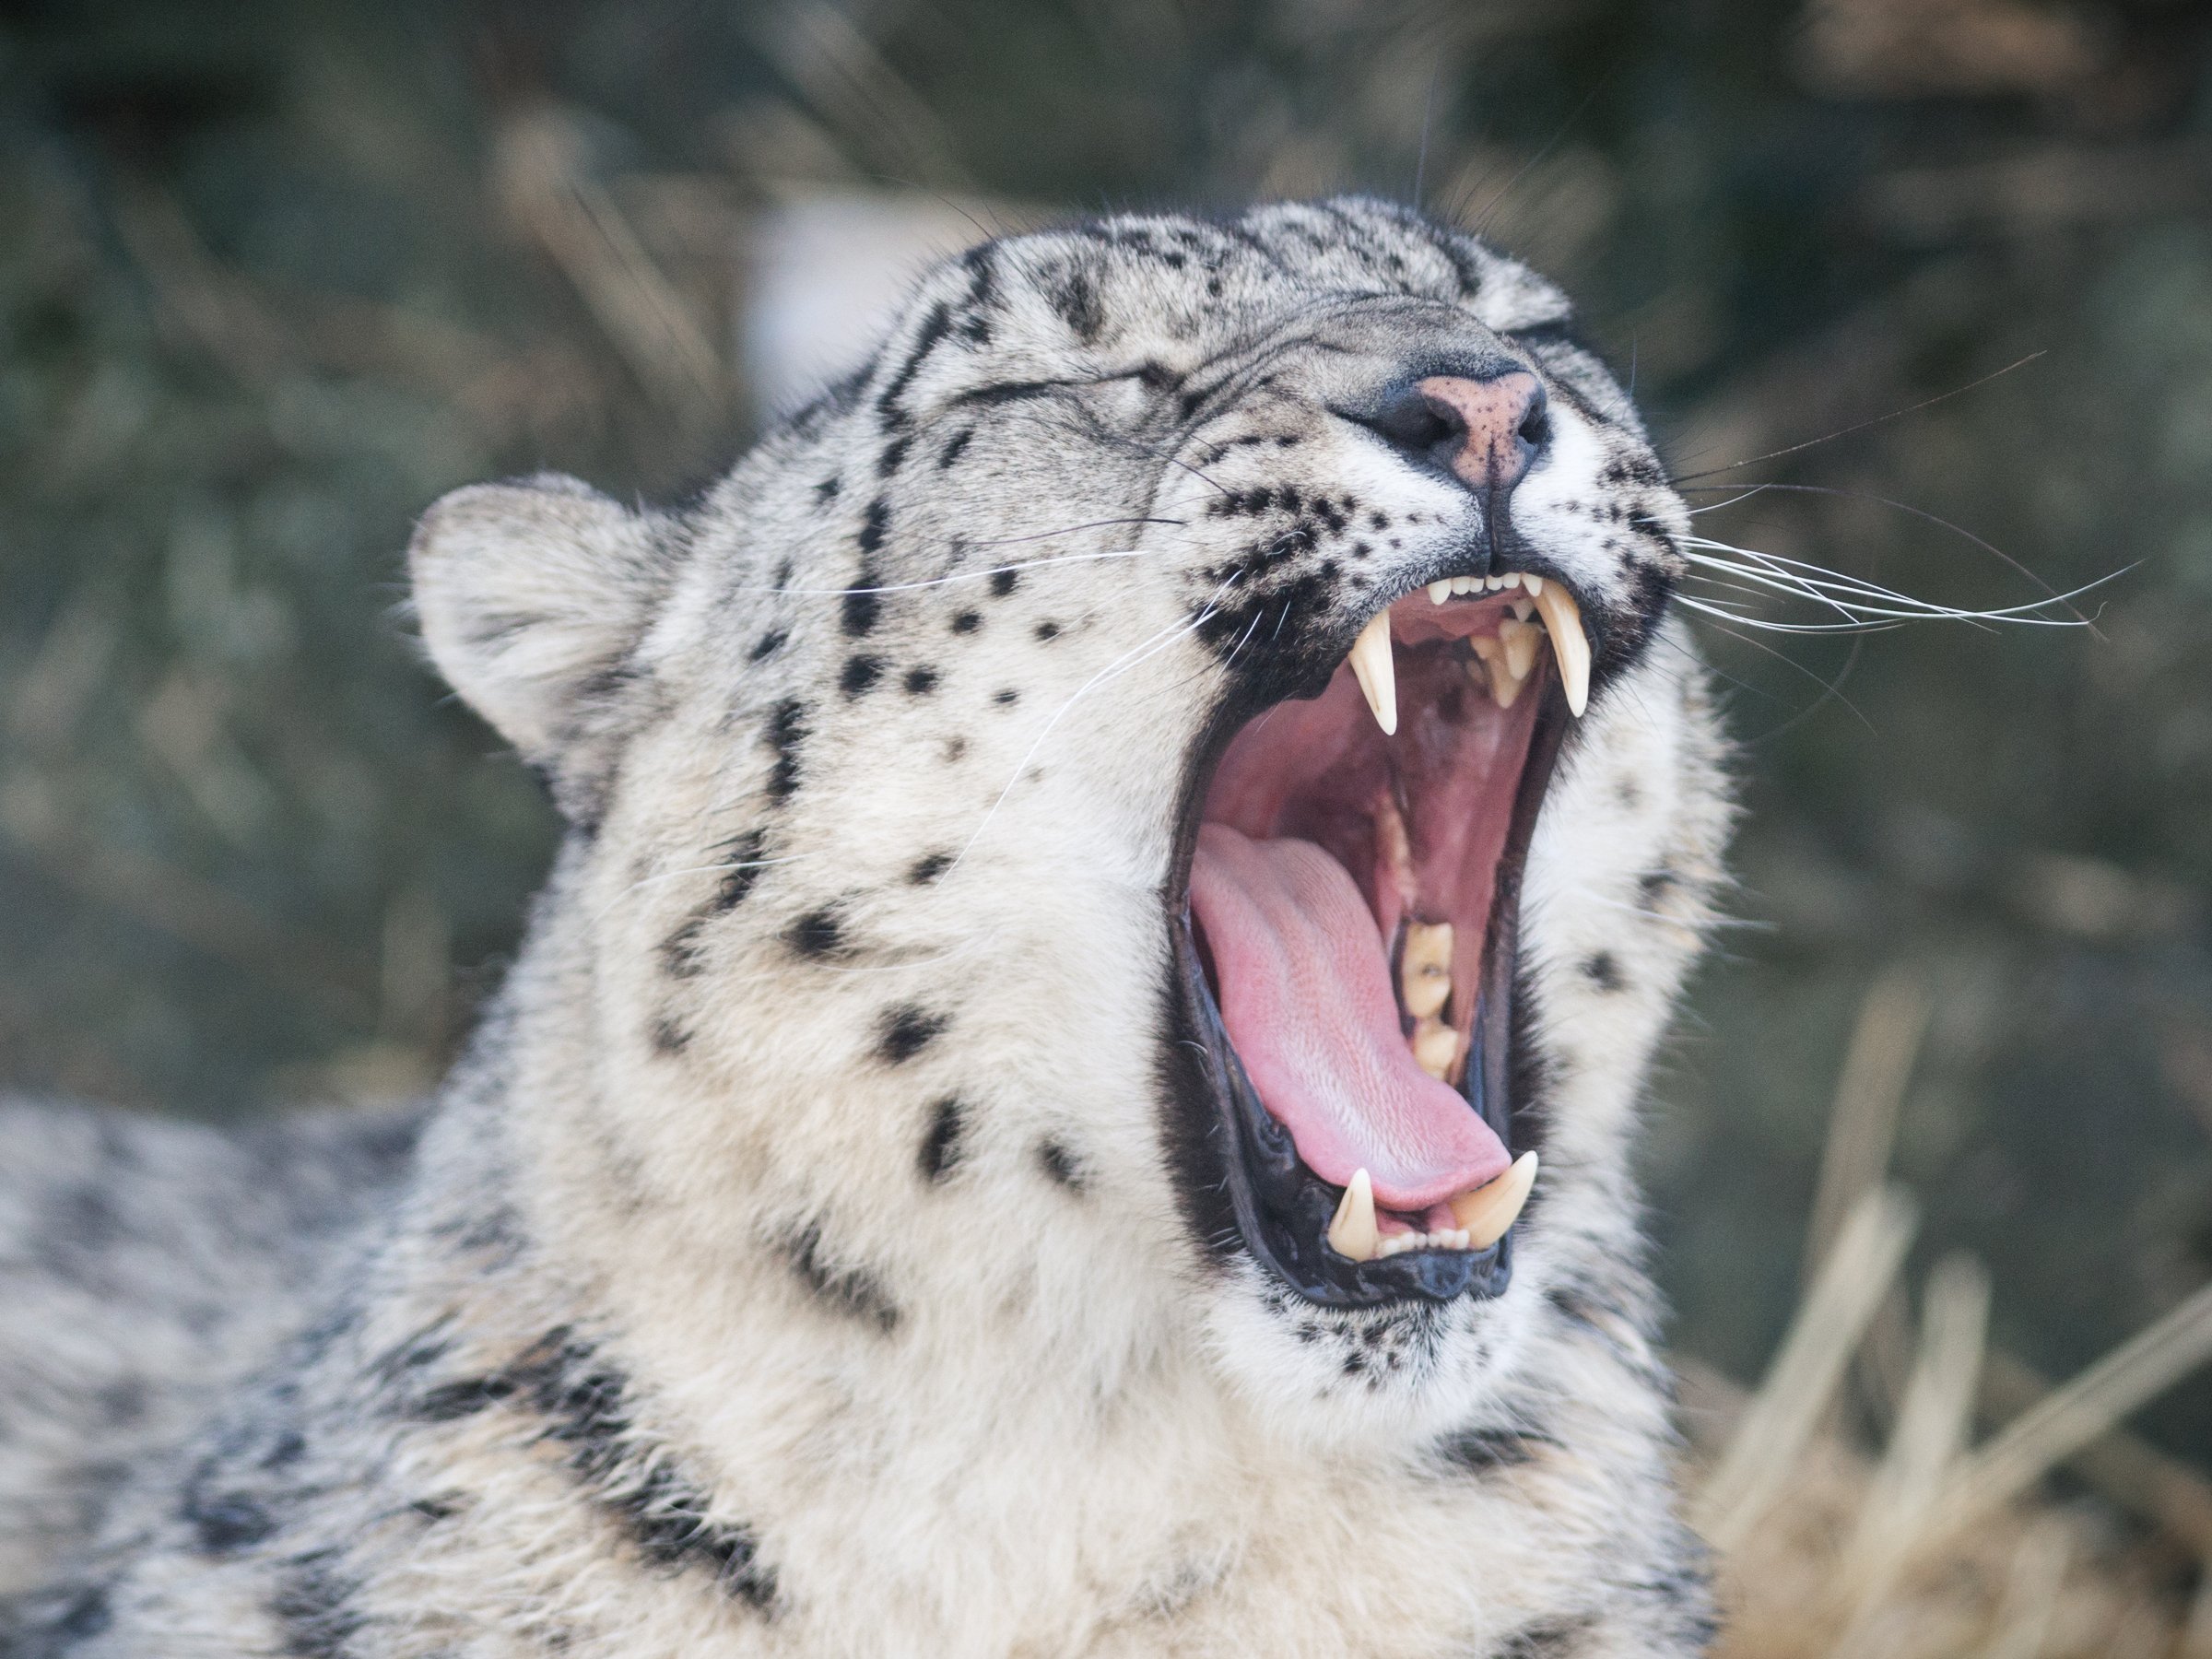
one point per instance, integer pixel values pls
(276, 276)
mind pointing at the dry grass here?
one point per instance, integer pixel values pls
(1930, 1546)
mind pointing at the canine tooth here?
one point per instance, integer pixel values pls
(1377, 671)
(1520, 640)
(1488, 1210)
(1492, 671)
(1440, 591)
(1352, 1233)
(1563, 617)
(1532, 582)
(1523, 609)
(1435, 1046)
(1425, 968)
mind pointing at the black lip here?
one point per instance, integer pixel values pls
(1242, 1180)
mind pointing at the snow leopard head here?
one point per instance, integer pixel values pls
(1133, 814)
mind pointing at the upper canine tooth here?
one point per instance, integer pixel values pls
(1563, 617)
(1377, 672)
(1425, 968)
(1353, 1232)
(1440, 591)
(1532, 582)
(1520, 640)
(1487, 1211)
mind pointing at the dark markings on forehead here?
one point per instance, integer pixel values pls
(826, 491)
(908, 1028)
(1076, 297)
(786, 735)
(954, 446)
(935, 326)
(861, 603)
(941, 1147)
(968, 621)
(666, 1035)
(860, 672)
(928, 868)
(1047, 631)
(893, 453)
(818, 933)
(1007, 697)
(919, 679)
(1004, 583)
(851, 1291)
(768, 644)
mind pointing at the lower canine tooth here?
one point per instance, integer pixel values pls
(1377, 671)
(1425, 968)
(1520, 640)
(1435, 1047)
(1492, 671)
(1352, 1232)
(1488, 1210)
(1563, 618)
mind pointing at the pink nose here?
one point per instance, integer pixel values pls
(1499, 424)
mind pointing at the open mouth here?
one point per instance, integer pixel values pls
(1345, 953)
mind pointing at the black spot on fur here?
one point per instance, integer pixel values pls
(1004, 583)
(743, 869)
(818, 933)
(448, 1402)
(679, 951)
(862, 604)
(767, 645)
(666, 1036)
(954, 447)
(826, 491)
(893, 453)
(852, 1291)
(928, 868)
(860, 673)
(941, 1146)
(1603, 970)
(1076, 301)
(1007, 698)
(1654, 885)
(933, 328)
(88, 1613)
(786, 734)
(908, 1028)
(954, 748)
(225, 1523)
(1481, 1450)
(1047, 630)
(968, 621)
(588, 1410)
(310, 1604)
(920, 680)
(1555, 1639)
(1061, 1167)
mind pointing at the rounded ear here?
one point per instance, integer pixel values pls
(531, 596)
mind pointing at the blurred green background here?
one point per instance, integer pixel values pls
(272, 276)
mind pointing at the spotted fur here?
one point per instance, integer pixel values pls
(813, 1255)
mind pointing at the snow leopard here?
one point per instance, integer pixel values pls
(1071, 1088)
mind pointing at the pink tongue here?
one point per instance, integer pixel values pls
(1305, 993)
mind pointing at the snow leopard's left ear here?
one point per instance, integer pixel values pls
(531, 597)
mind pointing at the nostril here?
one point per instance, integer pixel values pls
(1412, 422)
